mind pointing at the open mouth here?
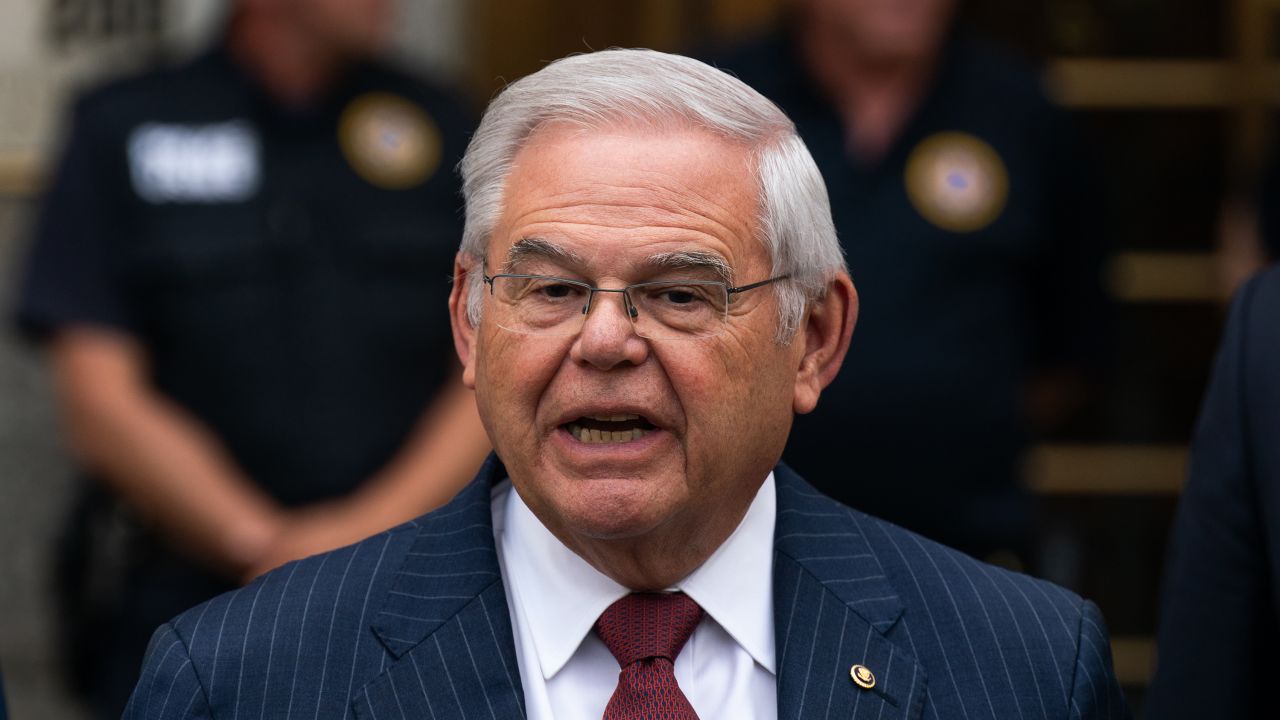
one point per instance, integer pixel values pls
(608, 429)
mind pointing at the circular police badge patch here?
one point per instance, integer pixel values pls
(957, 182)
(389, 141)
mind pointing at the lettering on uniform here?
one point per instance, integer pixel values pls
(389, 141)
(213, 163)
(957, 182)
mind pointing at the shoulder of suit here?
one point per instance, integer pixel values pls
(941, 582)
(935, 580)
(337, 588)
(347, 586)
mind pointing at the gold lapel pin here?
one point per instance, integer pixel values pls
(863, 676)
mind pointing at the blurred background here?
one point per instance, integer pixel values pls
(1173, 97)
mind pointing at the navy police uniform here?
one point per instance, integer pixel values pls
(286, 269)
(974, 247)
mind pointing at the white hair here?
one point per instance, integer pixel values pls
(625, 87)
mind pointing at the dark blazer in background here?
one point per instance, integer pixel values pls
(413, 623)
(1219, 642)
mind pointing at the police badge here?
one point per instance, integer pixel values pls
(389, 141)
(957, 181)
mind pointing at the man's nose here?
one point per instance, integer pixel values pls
(608, 338)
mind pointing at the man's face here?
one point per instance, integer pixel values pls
(717, 409)
(886, 30)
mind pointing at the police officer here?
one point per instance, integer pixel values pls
(970, 228)
(241, 273)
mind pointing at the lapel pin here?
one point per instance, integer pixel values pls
(863, 676)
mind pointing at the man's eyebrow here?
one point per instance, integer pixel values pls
(533, 248)
(693, 260)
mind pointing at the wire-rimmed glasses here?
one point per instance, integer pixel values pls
(660, 309)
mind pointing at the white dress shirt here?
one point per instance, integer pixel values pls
(727, 668)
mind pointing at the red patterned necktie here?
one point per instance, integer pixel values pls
(645, 632)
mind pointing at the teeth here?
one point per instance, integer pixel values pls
(592, 436)
(614, 418)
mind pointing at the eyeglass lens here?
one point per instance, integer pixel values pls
(555, 306)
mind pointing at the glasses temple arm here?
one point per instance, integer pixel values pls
(753, 286)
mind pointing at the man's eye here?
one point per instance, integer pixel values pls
(685, 297)
(680, 297)
(556, 291)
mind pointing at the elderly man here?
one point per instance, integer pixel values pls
(649, 288)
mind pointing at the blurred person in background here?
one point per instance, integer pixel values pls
(1249, 229)
(970, 225)
(1220, 608)
(240, 273)
(1269, 211)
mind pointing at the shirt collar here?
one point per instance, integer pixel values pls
(734, 586)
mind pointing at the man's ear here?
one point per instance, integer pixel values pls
(464, 333)
(825, 333)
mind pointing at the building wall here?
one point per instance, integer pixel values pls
(35, 487)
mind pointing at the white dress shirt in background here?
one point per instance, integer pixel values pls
(727, 669)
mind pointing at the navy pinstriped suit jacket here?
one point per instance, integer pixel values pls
(413, 624)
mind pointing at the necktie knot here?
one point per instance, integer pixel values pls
(648, 625)
(645, 632)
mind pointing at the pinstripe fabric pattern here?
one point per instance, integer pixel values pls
(410, 621)
(946, 636)
(413, 623)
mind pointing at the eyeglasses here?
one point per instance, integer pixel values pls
(545, 305)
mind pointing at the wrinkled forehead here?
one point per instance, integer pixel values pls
(577, 195)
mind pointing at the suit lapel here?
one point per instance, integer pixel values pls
(833, 609)
(446, 623)
(445, 620)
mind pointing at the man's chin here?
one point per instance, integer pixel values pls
(611, 506)
(602, 520)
